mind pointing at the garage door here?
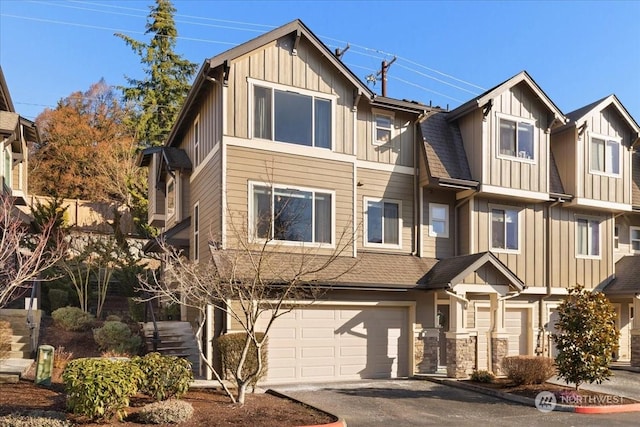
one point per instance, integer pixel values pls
(516, 326)
(325, 343)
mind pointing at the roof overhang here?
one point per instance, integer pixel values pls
(177, 237)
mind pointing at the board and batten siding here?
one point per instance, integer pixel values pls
(252, 164)
(607, 123)
(567, 269)
(438, 247)
(387, 185)
(308, 69)
(464, 233)
(530, 261)
(206, 190)
(398, 151)
(472, 138)
(563, 147)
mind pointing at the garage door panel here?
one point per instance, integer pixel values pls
(317, 333)
(283, 352)
(310, 352)
(282, 333)
(316, 314)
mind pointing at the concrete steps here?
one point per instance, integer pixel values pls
(175, 339)
(18, 359)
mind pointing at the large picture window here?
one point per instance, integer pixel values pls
(383, 222)
(293, 215)
(516, 139)
(292, 117)
(605, 156)
(504, 229)
(588, 237)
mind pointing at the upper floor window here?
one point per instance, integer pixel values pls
(383, 128)
(292, 214)
(171, 198)
(384, 223)
(504, 229)
(196, 142)
(516, 138)
(634, 237)
(196, 232)
(438, 220)
(296, 117)
(7, 174)
(588, 237)
(616, 237)
(605, 155)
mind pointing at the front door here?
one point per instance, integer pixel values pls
(443, 324)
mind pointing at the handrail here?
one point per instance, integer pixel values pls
(155, 340)
(30, 322)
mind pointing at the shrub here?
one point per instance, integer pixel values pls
(116, 336)
(483, 376)
(136, 310)
(58, 298)
(73, 319)
(5, 338)
(166, 412)
(100, 388)
(113, 318)
(528, 369)
(35, 419)
(61, 357)
(164, 376)
(230, 347)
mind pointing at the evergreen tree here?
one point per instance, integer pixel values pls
(159, 96)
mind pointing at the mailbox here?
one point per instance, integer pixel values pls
(44, 366)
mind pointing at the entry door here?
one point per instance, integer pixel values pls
(443, 324)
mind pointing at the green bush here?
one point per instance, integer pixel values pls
(73, 319)
(100, 388)
(117, 336)
(35, 419)
(524, 370)
(483, 376)
(166, 412)
(58, 298)
(5, 338)
(230, 347)
(113, 318)
(164, 376)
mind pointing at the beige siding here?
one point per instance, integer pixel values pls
(388, 185)
(438, 247)
(563, 146)
(486, 275)
(206, 190)
(210, 123)
(529, 263)
(567, 269)
(245, 165)
(398, 151)
(464, 228)
(471, 130)
(307, 70)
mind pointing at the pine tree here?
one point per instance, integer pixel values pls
(159, 96)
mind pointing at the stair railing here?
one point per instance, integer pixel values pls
(155, 340)
(31, 324)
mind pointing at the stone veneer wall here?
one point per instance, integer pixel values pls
(635, 350)
(461, 357)
(499, 350)
(426, 354)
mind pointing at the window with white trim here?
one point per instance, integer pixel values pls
(383, 128)
(605, 155)
(634, 238)
(292, 214)
(438, 220)
(196, 231)
(504, 229)
(384, 222)
(292, 116)
(171, 197)
(587, 237)
(196, 141)
(516, 138)
(616, 237)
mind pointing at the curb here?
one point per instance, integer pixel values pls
(339, 422)
(608, 409)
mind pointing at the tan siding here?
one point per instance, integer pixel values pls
(206, 189)
(471, 130)
(464, 230)
(485, 275)
(563, 146)
(438, 247)
(380, 184)
(398, 151)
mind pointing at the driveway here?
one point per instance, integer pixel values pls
(374, 403)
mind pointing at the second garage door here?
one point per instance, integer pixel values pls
(327, 343)
(516, 328)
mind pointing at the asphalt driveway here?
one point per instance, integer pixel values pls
(374, 403)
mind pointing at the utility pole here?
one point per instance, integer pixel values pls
(381, 75)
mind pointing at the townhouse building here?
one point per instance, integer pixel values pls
(467, 227)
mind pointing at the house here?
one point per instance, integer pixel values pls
(466, 229)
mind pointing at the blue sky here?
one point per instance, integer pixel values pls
(447, 52)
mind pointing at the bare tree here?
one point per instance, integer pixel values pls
(255, 283)
(24, 255)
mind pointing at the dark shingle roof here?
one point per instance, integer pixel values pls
(626, 278)
(444, 149)
(555, 183)
(580, 112)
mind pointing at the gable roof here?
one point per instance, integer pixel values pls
(583, 113)
(6, 104)
(451, 271)
(521, 77)
(626, 277)
(555, 182)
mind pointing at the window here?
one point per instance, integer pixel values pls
(7, 167)
(504, 229)
(516, 139)
(293, 215)
(588, 237)
(171, 198)
(196, 232)
(288, 116)
(383, 128)
(383, 222)
(616, 237)
(605, 156)
(634, 237)
(438, 220)
(196, 142)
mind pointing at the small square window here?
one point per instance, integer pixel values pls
(383, 222)
(516, 139)
(383, 128)
(438, 220)
(605, 156)
(634, 237)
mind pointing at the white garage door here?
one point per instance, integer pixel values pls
(322, 343)
(516, 325)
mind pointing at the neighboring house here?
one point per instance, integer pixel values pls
(471, 232)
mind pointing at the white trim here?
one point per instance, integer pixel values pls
(606, 139)
(506, 191)
(387, 167)
(601, 204)
(631, 239)
(223, 214)
(447, 222)
(467, 289)
(580, 171)
(286, 148)
(365, 214)
(196, 231)
(374, 137)
(517, 121)
(589, 219)
(252, 82)
(252, 184)
(174, 181)
(421, 223)
(354, 195)
(197, 155)
(204, 162)
(543, 290)
(518, 210)
(473, 216)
